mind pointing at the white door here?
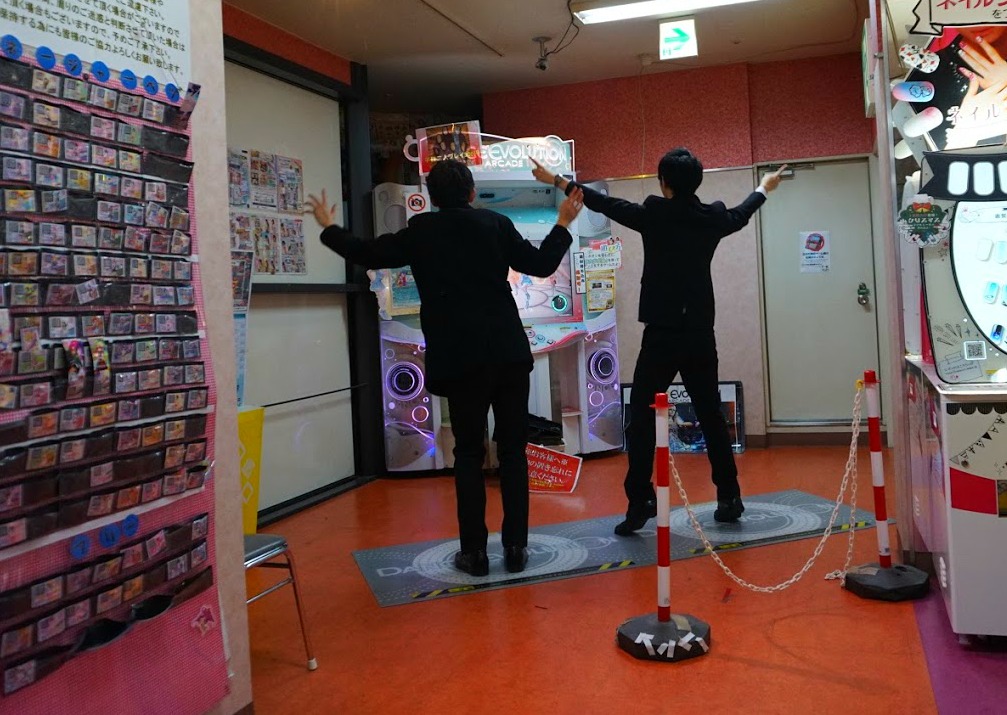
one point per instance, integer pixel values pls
(818, 282)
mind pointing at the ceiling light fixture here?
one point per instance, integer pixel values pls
(594, 11)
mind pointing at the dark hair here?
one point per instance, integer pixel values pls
(450, 184)
(681, 172)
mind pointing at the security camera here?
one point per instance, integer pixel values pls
(543, 53)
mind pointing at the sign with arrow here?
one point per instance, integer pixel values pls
(678, 39)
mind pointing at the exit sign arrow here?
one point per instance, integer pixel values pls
(678, 39)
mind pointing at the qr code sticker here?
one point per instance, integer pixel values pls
(975, 350)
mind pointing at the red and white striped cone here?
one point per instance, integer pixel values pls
(881, 581)
(664, 636)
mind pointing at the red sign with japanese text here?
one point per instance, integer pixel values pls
(552, 472)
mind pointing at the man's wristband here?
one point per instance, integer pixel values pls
(557, 180)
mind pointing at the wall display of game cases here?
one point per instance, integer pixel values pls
(954, 216)
(569, 317)
(106, 396)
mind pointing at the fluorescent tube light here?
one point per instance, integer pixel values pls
(593, 11)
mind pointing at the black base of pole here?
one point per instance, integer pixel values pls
(679, 639)
(898, 583)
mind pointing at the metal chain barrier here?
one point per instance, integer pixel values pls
(849, 483)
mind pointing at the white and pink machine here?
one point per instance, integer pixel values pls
(957, 381)
(569, 318)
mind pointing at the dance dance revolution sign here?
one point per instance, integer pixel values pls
(487, 153)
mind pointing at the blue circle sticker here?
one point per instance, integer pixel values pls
(150, 85)
(99, 70)
(109, 535)
(130, 525)
(46, 58)
(11, 46)
(128, 79)
(73, 65)
(172, 92)
(80, 547)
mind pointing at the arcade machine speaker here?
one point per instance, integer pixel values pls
(604, 402)
(412, 418)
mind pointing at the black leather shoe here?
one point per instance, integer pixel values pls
(474, 563)
(729, 511)
(515, 558)
(636, 516)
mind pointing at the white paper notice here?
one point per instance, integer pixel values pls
(150, 38)
(815, 254)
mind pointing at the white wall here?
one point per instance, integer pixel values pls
(298, 344)
(209, 151)
(736, 283)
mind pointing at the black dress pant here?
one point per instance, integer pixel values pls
(504, 388)
(663, 355)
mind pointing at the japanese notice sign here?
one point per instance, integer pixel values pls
(604, 254)
(551, 471)
(815, 255)
(148, 39)
(933, 15)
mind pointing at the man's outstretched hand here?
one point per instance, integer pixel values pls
(570, 207)
(324, 215)
(541, 173)
(771, 181)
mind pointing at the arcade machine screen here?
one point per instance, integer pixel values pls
(540, 299)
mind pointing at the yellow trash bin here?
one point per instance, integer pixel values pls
(250, 421)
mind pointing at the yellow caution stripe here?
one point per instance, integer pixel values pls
(441, 592)
(616, 565)
(763, 542)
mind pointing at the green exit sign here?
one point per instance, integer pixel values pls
(678, 39)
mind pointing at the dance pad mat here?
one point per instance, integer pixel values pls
(413, 573)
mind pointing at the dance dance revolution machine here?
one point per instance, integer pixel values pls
(569, 317)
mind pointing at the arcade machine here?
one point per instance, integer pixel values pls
(569, 317)
(953, 224)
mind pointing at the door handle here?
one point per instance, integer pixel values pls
(864, 295)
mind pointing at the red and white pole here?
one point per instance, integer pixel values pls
(877, 468)
(663, 478)
(667, 637)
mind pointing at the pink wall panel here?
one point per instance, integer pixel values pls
(729, 116)
(623, 126)
(809, 108)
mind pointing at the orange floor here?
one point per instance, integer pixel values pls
(549, 648)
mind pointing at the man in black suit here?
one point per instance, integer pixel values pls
(680, 235)
(477, 353)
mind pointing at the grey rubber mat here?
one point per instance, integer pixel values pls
(413, 573)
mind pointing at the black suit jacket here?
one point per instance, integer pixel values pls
(680, 236)
(460, 259)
